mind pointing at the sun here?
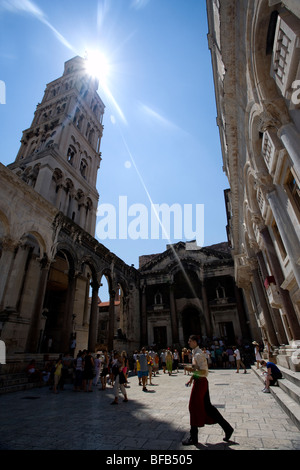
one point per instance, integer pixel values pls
(97, 65)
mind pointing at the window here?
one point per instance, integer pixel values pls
(71, 155)
(293, 191)
(271, 32)
(286, 52)
(83, 168)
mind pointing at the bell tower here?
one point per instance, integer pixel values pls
(60, 153)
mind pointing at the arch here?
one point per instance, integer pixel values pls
(71, 154)
(36, 241)
(57, 175)
(83, 167)
(58, 300)
(4, 225)
(266, 90)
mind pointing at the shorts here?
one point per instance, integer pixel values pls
(142, 373)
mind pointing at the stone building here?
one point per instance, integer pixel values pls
(52, 267)
(255, 50)
(50, 262)
(186, 289)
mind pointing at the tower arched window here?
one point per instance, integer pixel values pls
(91, 136)
(71, 155)
(83, 167)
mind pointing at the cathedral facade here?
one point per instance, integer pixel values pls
(187, 289)
(255, 54)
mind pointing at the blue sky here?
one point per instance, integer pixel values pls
(164, 146)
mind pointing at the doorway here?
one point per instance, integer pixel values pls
(190, 324)
(160, 337)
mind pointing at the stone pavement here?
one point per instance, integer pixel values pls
(156, 420)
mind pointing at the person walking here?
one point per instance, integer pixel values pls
(78, 364)
(119, 378)
(125, 365)
(97, 369)
(105, 370)
(88, 372)
(239, 362)
(258, 357)
(57, 374)
(143, 372)
(163, 360)
(169, 361)
(201, 410)
(176, 360)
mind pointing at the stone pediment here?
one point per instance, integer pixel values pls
(185, 253)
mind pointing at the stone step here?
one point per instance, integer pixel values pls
(16, 382)
(287, 393)
(291, 375)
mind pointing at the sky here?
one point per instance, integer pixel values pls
(160, 142)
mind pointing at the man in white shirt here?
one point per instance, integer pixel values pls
(239, 361)
(201, 410)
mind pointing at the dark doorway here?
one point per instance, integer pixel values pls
(190, 323)
(160, 337)
(227, 332)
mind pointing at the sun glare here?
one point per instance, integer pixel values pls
(97, 65)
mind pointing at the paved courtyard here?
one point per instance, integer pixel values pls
(156, 420)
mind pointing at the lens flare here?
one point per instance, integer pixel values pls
(97, 65)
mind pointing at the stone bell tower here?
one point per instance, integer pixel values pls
(60, 153)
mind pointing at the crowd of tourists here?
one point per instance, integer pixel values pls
(88, 370)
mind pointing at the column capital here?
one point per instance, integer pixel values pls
(95, 285)
(8, 244)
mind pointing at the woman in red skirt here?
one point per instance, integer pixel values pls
(201, 410)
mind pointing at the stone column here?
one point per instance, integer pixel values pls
(93, 326)
(291, 140)
(15, 281)
(263, 303)
(68, 314)
(241, 313)
(85, 316)
(144, 329)
(71, 206)
(173, 313)
(6, 261)
(287, 232)
(111, 320)
(207, 313)
(253, 320)
(59, 196)
(34, 332)
(287, 304)
(81, 215)
(275, 314)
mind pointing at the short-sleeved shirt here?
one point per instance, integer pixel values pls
(200, 361)
(275, 372)
(143, 362)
